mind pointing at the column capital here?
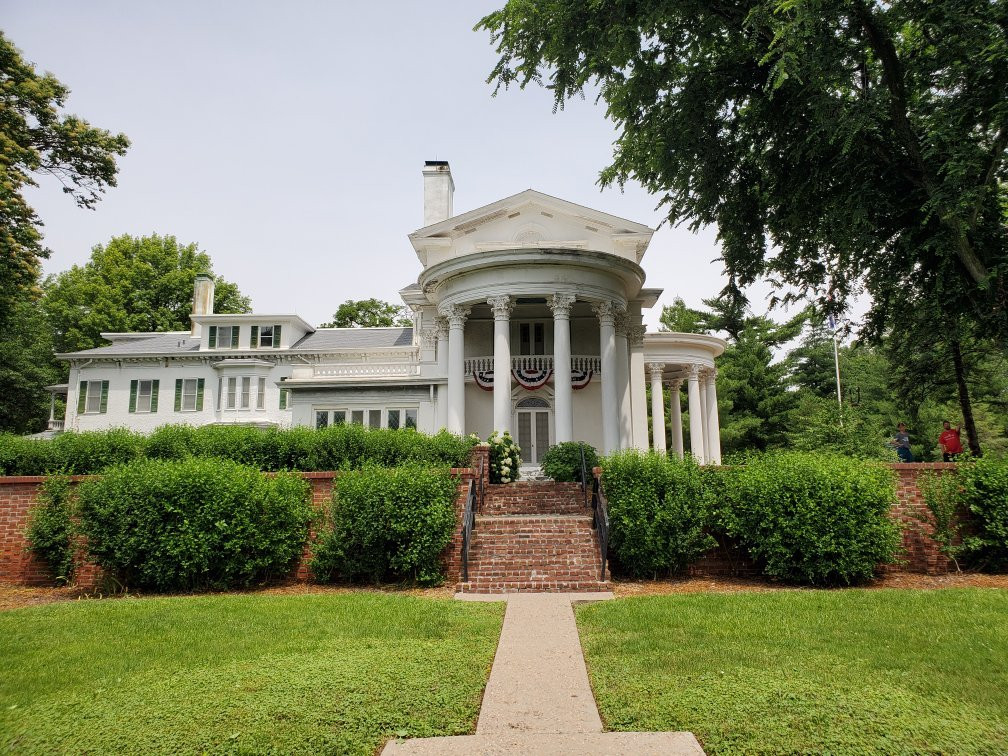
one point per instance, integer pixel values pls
(656, 370)
(606, 311)
(635, 334)
(676, 384)
(456, 315)
(695, 370)
(429, 337)
(441, 323)
(502, 306)
(622, 322)
(561, 305)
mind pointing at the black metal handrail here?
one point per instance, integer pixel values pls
(468, 525)
(584, 477)
(600, 521)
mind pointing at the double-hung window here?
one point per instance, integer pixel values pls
(531, 338)
(92, 397)
(265, 337)
(143, 396)
(189, 394)
(224, 337)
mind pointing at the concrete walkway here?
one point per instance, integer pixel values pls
(538, 699)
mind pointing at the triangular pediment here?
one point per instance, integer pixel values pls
(530, 219)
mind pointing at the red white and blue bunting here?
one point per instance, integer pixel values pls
(531, 378)
(580, 378)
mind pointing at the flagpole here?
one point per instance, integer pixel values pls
(836, 364)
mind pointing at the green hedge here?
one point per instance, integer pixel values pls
(562, 461)
(193, 525)
(813, 519)
(343, 447)
(387, 524)
(50, 532)
(658, 513)
(984, 492)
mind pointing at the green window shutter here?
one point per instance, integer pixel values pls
(82, 397)
(213, 337)
(178, 394)
(153, 395)
(104, 397)
(254, 338)
(283, 398)
(276, 337)
(133, 393)
(199, 394)
(234, 336)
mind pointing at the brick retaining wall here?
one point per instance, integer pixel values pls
(18, 494)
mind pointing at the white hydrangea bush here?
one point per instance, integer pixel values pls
(505, 457)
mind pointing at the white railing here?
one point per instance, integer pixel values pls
(56, 425)
(534, 362)
(368, 370)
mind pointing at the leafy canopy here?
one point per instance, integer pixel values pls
(369, 313)
(37, 138)
(833, 143)
(131, 284)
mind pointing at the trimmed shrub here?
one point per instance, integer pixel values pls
(505, 458)
(50, 531)
(985, 492)
(342, 447)
(944, 521)
(194, 525)
(658, 512)
(562, 461)
(813, 519)
(387, 523)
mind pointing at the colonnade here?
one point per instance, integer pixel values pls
(705, 426)
(621, 346)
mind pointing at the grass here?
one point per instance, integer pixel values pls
(807, 671)
(247, 673)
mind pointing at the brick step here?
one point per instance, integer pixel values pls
(533, 498)
(541, 586)
(557, 552)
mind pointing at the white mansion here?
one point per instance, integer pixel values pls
(526, 317)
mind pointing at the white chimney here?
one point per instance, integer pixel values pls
(202, 301)
(438, 189)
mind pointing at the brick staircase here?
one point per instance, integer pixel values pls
(534, 536)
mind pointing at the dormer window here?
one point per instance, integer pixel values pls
(265, 337)
(224, 337)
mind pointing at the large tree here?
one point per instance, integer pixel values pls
(369, 313)
(38, 138)
(27, 366)
(131, 284)
(833, 143)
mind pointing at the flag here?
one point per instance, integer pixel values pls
(832, 323)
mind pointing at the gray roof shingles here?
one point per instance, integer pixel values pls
(322, 340)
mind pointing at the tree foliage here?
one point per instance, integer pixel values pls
(38, 138)
(131, 284)
(369, 313)
(27, 366)
(833, 143)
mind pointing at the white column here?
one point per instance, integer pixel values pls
(563, 393)
(703, 414)
(623, 381)
(713, 423)
(695, 420)
(441, 421)
(456, 315)
(657, 406)
(606, 312)
(675, 405)
(502, 307)
(638, 392)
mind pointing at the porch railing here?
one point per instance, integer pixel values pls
(580, 363)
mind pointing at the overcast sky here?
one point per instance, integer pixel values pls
(287, 140)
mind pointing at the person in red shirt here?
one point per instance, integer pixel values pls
(950, 442)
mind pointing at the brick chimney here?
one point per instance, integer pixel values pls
(438, 189)
(202, 302)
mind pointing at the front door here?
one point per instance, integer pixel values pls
(533, 424)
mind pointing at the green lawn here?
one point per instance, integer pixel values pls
(293, 674)
(807, 671)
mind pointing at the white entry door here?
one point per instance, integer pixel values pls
(533, 424)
